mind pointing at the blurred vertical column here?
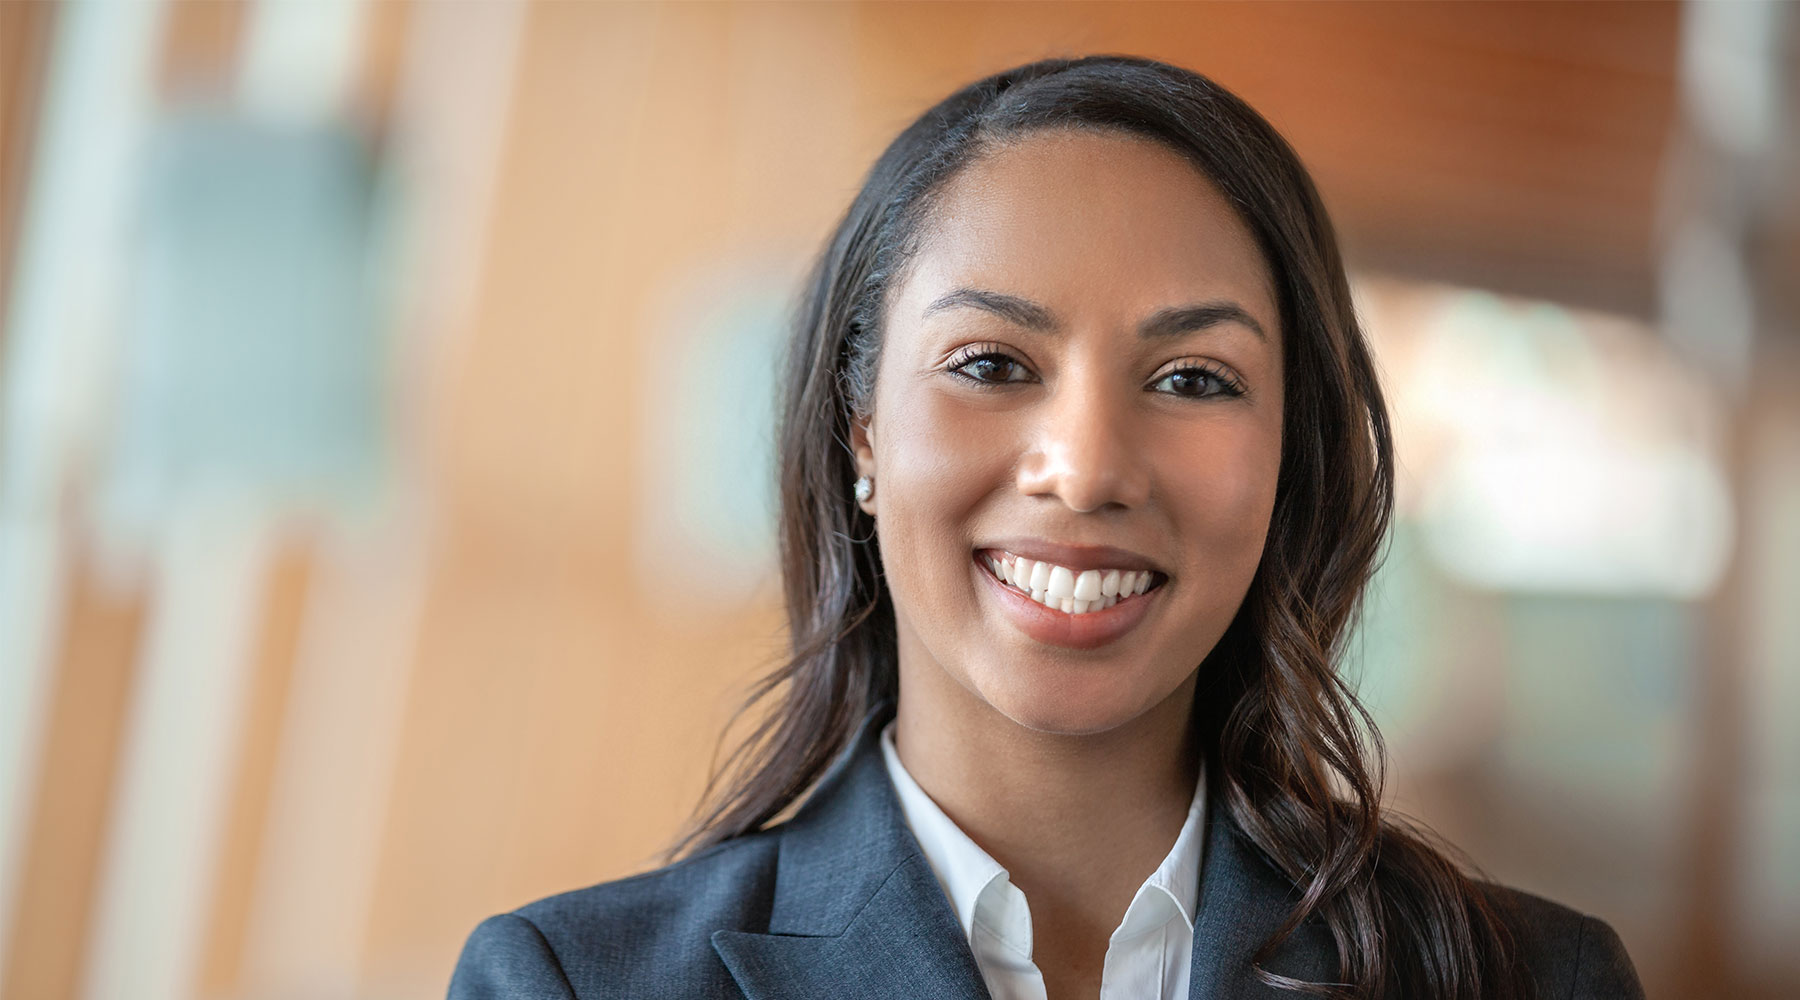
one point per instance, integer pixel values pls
(249, 399)
(68, 272)
(329, 797)
(1729, 283)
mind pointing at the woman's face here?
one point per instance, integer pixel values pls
(1082, 367)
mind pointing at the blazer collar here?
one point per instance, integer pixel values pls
(857, 912)
(1243, 900)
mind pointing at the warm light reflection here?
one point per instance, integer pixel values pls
(1549, 449)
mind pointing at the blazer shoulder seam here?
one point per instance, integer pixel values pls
(555, 959)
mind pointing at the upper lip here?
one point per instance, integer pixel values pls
(1075, 557)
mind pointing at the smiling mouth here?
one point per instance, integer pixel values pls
(1076, 592)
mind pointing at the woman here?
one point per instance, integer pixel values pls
(1085, 468)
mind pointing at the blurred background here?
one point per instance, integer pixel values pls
(385, 527)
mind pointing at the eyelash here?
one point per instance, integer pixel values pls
(1228, 386)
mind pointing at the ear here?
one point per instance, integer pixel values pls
(862, 450)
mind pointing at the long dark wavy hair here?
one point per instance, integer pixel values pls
(1292, 757)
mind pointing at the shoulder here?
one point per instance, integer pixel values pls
(1569, 954)
(644, 936)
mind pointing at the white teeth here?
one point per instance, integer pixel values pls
(1109, 584)
(1067, 590)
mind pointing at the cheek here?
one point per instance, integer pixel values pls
(941, 448)
(1224, 480)
(938, 461)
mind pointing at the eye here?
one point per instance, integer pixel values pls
(988, 367)
(1200, 382)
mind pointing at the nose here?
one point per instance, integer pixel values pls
(1085, 449)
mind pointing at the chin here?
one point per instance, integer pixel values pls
(1079, 701)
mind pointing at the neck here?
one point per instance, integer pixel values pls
(1078, 821)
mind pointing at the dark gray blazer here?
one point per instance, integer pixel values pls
(839, 903)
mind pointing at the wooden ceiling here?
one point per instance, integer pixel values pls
(1511, 146)
(1518, 147)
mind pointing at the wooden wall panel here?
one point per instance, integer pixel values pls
(68, 819)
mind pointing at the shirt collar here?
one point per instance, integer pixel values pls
(961, 866)
(966, 871)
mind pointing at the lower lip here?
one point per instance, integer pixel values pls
(1054, 627)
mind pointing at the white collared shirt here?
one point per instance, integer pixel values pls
(1149, 953)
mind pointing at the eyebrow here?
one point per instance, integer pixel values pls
(1166, 323)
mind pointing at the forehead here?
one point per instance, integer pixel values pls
(1090, 221)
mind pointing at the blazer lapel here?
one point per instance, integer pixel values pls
(1243, 899)
(857, 911)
